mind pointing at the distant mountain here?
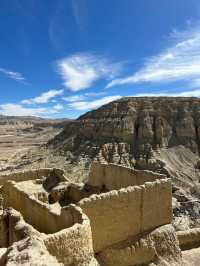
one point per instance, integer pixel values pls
(33, 120)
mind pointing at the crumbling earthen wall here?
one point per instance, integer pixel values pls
(136, 203)
(38, 214)
(28, 251)
(17, 229)
(144, 249)
(117, 215)
(189, 238)
(112, 176)
(72, 246)
(29, 175)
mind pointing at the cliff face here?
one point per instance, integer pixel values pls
(135, 126)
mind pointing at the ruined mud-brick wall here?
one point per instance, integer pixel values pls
(117, 215)
(24, 245)
(37, 213)
(144, 250)
(112, 176)
(73, 245)
(15, 228)
(189, 238)
(30, 175)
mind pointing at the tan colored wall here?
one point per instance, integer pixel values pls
(161, 242)
(18, 229)
(72, 246)
(38, 214)
(189, 238)
(114, 176)
(29, 175)
(117, 215)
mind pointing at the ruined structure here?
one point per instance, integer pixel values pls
(119, 217)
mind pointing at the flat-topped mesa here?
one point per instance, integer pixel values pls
(117, 208)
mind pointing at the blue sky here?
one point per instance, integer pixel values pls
(62, 58)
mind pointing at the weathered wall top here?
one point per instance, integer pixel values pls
(120, 214)
(33, 174)
(112, 176)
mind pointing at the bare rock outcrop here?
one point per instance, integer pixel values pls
(131, 131)
(158, 122)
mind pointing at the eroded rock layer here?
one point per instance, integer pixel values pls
(130, 130)
(143, 123)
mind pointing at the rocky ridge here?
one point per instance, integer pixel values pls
(129, 131)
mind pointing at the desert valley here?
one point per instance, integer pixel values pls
(118, 186)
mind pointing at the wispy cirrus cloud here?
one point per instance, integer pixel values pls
(88, 105)
(74, 98)
(179, 62)
(79, 12)
(81, 97)
(94, 94)
(45, 97)
(12, 74)
(81, 71)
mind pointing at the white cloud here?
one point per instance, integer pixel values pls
(58, 107)
(195, 83)
(192, 93)
(88, 105)
(81, 97)
(74, 98)
(80, 71)
(18, 110)
(94, 94)
(12, 75)
(45, 97)
(13, 109)
(179, 62)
